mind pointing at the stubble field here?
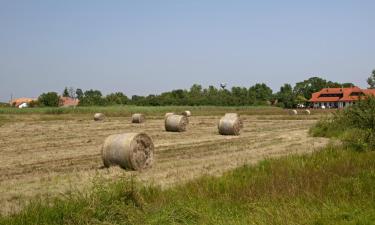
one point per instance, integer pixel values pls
(55, 157)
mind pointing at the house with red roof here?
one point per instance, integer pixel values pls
(339, 97)
(21, 102)
(68, 102)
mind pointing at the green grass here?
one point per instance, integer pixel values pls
(156, 110)
(148, 110)
(332, 186)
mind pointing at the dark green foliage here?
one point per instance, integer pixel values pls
(4, 105)
(286, 96)
(259, 94)
(91, 98)
(79, 93)
(33, 104)
(371, 80)
(117, 98)
(50, 99)
(65, 92)
(354, 125)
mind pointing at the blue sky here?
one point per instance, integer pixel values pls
(147, 47)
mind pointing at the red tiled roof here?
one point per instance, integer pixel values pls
(344, 93)
(68, 101)
(18, 101)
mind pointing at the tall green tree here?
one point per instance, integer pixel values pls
(92, 97)
(371, 80)
(263, 93)
(286, 96)
(79, 93)
(65, 92)
(49, 99)
(117, 98)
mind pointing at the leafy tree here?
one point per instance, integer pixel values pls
(371, 80)
(50, 99)
(195, 95)
(286, 96)
(309, 86)
(262, 93)
(65, 92)
(72, 92)
(117, 98)
(92, 97)
(239, 96)
(79, 93)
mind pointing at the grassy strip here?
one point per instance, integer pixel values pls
(333, 186)
(156, 110)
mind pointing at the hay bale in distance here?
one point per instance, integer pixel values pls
(99, 116)
(307, 112)
(132, 151)
(229, 125)
(168, 114)
(176, 123)
(234, 115)
(138, 118)
(293, 112)
(186, 113)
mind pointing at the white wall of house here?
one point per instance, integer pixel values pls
(23, 105)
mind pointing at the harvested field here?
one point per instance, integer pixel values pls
(53, 157)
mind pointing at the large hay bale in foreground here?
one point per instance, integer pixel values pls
(133, 151)
(176, 123)
(229, 125)
(307, 112)
(293, 112)
(138, 118)
(99, 116)
(234, 115)
(186, 113)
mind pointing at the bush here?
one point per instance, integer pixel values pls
(50, 99)
(34, 104)
(354, 126)
(4, 105)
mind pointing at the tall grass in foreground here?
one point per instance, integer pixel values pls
(333, 186)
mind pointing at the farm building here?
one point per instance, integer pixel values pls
(25, 102)
(68, 102)
(21, 102)
(338, 97)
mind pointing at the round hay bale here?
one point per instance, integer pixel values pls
(99, 116)
(307, 112)
(293, 112)
(138, 118)
(168, 114)
(234, 115)
(176, 123)
(186, 113)
(231, 115)
(133, 151)
(229, 125)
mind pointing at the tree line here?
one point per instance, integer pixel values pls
(288, 96)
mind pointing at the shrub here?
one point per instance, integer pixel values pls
(50, 99)
(354, 126)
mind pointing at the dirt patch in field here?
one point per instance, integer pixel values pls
(48, 158)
